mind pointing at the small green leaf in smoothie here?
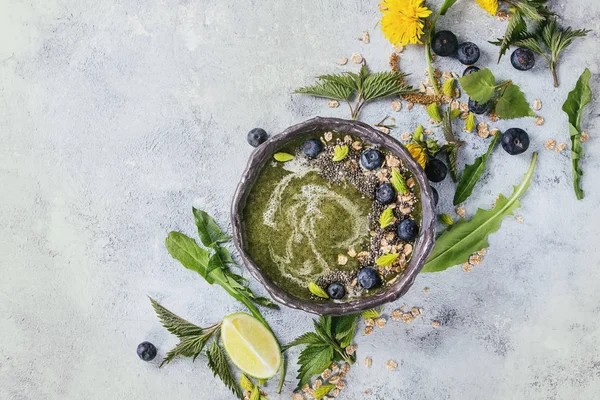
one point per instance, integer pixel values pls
(317, 290)
(446, 219)
(386, 260)
(418, 135)
(398, 182)
(386, 218)
(283, 157)
(340, 152)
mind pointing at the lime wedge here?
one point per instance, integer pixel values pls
(250, 345)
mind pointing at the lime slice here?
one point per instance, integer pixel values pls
(250, 345)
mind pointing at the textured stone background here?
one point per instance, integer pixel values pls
(117, 116)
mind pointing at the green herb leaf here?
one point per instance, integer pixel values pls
(455, 113)
(434, 112)
(246, 383)
(384, 84)
(576, 101)
(313, 360)
(418, 135)
(451, 150)
(515, 28)
(372, 313)
(328, 90)
(174, 324)
(446, 6)
(283, 157)
(343, 328)
(398, 182)
(446, 219)
(322, 391)
(187, 251)
(386, 217)
(513, 104)
(480, 85)
(208, 230)
(217, 362)
(470, 123)
(307, 338)
(386, 259)
(472, 173)
(340, 152)
(317, 290)
(448, 88)
(255, 394)
(454, 246)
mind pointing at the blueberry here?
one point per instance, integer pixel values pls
(407, 230)
(368, 278)
(522, 59)
(371, 159)
(146, 351)
(256, 137)
(385, 193)
(436, 196)
(436, 170)
(444, 43)
(515, 141)
(312, 147)
(467, 53)
(336, 290)
(470, 70)
(479, 108)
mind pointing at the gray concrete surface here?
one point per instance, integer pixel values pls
(117, 116)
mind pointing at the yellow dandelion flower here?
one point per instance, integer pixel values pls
(490, 6)
(417, 153)
(402, 20)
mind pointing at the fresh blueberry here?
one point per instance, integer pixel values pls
(479, 108)
(368, 278)
(515, 141)
(444, 43)
(467, 53)
(436, 196)
(312, 147)
(336, 290)
(385, 193)
(371, 159)
(256, 137)
(470, 70)
(146, 351)
(436, 170)
(522, 59)
(407, 230)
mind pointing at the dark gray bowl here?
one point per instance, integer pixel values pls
(422, 246)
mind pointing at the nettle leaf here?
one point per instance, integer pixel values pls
(472, 173)
(208, 230)
(398, 182)
(317, 290)
(516, 27)
(307, 338)
(343, 328)
(283, 157)
(480, 85)
(218, 363)
(386, 217)
(386, 259)
(174, 324)
(340, 152)
(576, 101)
(384, 84)
(455, 245)
(513, 104)
(328, 90)
(313, 360)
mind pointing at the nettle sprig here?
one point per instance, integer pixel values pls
(548, 41)
(358, 89)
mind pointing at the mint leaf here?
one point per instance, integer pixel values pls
(386, 259)
(340, 152)
(513, 104)
(398, 181)
(386, 217)
(480, 85)
(283, 157)
(317, 290)
(455, 245)
(217, 362)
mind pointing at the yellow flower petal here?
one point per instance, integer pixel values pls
(490, 6)
(402, 20)
(417, 153)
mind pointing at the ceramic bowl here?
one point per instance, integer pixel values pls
(422, 246)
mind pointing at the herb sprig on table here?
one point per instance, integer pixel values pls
(358, 89)
(576, 101)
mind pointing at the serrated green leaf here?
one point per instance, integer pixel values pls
(418, 135)
(217, 362)
(317, 290)
(340, 152)
(384, 84)
(446, 219)
(174, 324)
(313, 360)
(344, 328)
(208, 230)
(448, 88)
(480, 85)
(345, 79)
(472, 173)
(454, 246)
(308, 338)
(283, 157)
(576, 101)
(328, 90)
(516, 27)
(470, 123)
(386, 217)
(255, 394)
(434, 112)
(398, 182)
(372, 313)
(513, 104)
(386, 259)
(322, 391)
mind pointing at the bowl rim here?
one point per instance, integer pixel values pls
(423, 244)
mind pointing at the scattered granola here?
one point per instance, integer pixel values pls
(493, 116)
(326, 374)
(394, 61)
(482, 130)
(342, 61)
(368, 330)
(482, 252)
(425, 289)
(352, 252)
(317, 384)
(350, 350)
(475, 259)
(369, 322)
(396, 105)
(391, 365)
(356, 58)
(537, 105)
(342, 259)
(502, 15)
(435, 324)
(384, 129)
(397, 315)
(467, 267)
(297, 396)
(406, 136)
(461, 212)
(328, 136)
(368, 362)
(584, 136)
(380, 322)
(539, 121)
(549, 145)
(519, 219)
(365, 37)
(410, 105)
(333, 104)
(560, 147)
